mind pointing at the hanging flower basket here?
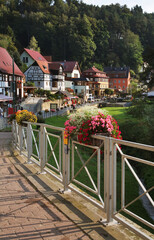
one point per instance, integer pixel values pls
(24, 115)
(91, 121)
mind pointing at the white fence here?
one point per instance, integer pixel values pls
(98, 173)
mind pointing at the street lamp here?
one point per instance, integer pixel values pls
(13, 85)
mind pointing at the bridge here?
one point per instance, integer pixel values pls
(43, 195)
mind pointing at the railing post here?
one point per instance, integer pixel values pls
(29, 142)
(66, 161)
(114, 177)
(20, 138)
(15, 132)
(108, 186)
(42, 147)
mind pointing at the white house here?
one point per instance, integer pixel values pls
(30, 56)
(44, 74)
(58, 76)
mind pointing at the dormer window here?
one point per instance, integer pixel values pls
(44, 67)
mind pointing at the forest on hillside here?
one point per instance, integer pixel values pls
(111, 35)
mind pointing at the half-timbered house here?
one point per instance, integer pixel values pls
(39, 74)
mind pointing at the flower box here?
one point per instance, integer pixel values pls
(86, 122)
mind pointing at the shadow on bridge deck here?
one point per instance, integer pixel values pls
(33, 208)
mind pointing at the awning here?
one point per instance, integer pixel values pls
(4, 98)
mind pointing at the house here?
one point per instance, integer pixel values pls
(71, 71)
(39, 74)
(58, 76)
(30, 56)
(119, 78)
(44, 74)
(81, 87)
(98, 81)
(11, 77)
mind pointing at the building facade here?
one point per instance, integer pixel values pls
(98, 81)
(119, 78)
(44, 74)
(11, 77)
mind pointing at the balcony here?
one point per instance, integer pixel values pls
(58, 77)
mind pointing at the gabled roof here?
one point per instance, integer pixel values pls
(6, 63)
(35, 55)
(117, 70)
(95, 73)
(69, 65)
(55, 65)
(44, 66)
(93, 70)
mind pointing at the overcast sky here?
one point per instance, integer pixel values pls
(147, 5)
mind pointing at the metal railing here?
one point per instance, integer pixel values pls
(96, 172)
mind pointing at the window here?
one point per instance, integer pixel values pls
(123, 86)
(47, 83)
(123, 81)
(25, 59)
(119, 81)
(75, 75)
(115, 81)
(54, 84)
(38, 83)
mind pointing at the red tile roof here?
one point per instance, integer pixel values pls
(95, 73)
(93, 70)
(54, 65)
(44, 66)
(6, 65)
(69, 66)
(35, 55)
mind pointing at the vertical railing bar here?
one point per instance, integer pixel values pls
(98, 170)
(114, 179)
(29, 142)
(73, 146)
(59, 154)
(105, 174)
(122, 182)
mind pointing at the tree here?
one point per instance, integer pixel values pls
(7, 43)
(108, 91)
(132, 51)
(33, 45)
(80, 40)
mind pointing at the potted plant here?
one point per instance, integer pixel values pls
(24, 115)
(89, 121)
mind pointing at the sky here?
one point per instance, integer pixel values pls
(147, 5)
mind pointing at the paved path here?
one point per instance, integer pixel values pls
(46, 213)
(24, 213)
